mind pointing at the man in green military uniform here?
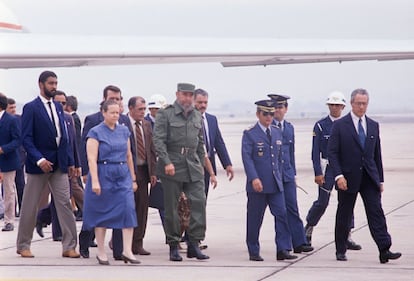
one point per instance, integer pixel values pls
(178, 140)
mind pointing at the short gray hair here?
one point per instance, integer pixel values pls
(359, 91)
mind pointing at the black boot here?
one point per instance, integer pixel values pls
(193, 251)
(174, 255)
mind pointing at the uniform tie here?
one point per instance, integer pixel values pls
(53, 117)
(140, 142)
(268, 134)
(279, 125)
(361, 133)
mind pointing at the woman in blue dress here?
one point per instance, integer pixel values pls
(109, 191)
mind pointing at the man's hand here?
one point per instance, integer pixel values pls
(213, 181)
(153, 181)
(170, 169)
(46, 166)
(257, 185)
(342, 184)
(71, 171)
(229, 172)
(134, 186)
(320, 180)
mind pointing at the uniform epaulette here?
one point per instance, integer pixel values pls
(249, 128)
(168, 106)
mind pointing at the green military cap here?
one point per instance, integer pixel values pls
(185, 87)
(280, 100)
(266, 105)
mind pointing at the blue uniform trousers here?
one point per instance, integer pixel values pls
(295, 222)
(319, 206)
(256, 206)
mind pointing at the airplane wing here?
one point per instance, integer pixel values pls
(28, 50)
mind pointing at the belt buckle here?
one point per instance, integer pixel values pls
(184, 150)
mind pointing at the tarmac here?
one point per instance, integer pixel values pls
(226, 228)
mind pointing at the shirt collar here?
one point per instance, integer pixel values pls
(2, 113)
(356, 118)
(262, 127)
(44, 100)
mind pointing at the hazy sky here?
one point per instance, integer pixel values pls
(389, 83)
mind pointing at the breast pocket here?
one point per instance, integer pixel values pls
(177, 131)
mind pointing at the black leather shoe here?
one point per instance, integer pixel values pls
(174, 255)
(388, 255)
(39, 229)
(84, 253)
(92, 244)
(341, 257)
(303, 248)
(8, 227)
(285, 255)
(351, 245)
(193, 251)
(256, 258)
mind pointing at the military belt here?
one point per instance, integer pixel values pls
(181, 149)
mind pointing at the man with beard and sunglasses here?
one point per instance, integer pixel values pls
(178, 140)
(49, 161)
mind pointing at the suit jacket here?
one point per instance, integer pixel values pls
(216, 143)
(149, 146)
(347, 157)
(72, 138)
(38, 136)
(91, 121)
(288, 152)
(148, 118)
(260, 156)
(78, 128)
(9, 142)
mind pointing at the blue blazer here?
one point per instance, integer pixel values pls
(261, 159)
(9, 142)
(347, 156)
(288, 151)
(91, 121)
(216, 144)
(38, 136)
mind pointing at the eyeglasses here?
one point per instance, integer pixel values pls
(266, 113)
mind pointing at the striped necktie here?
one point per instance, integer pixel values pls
(140, 142)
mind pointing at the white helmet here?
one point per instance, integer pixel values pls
(157, 101)
(336, 97)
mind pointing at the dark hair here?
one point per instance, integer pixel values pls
(106, 104)
(3, 102)
(11, 101)
(133, 101)
(60, 93)
(72, 101)
(200, 92)
(111, 88)
(46, 74)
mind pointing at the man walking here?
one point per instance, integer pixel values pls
(178, 140)
(49, 161)
(354, 153)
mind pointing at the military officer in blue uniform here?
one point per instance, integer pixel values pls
(261, 146)
(323, 173)
(289, 174)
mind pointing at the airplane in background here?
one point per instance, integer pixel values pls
(20, 49)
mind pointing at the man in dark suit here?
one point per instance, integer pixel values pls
(9, 161)
(289, 174)
(49, 161)
(145, 158)
(354, 153)
(86, 236)
(212, 138)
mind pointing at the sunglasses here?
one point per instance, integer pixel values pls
(265, 113)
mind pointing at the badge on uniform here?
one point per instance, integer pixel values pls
(278, 142)
(260, 149)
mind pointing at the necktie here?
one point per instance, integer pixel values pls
(361, 133)
(279, 125)
(53, 117)
(205, 135)
(268, 134)
(140, 142)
